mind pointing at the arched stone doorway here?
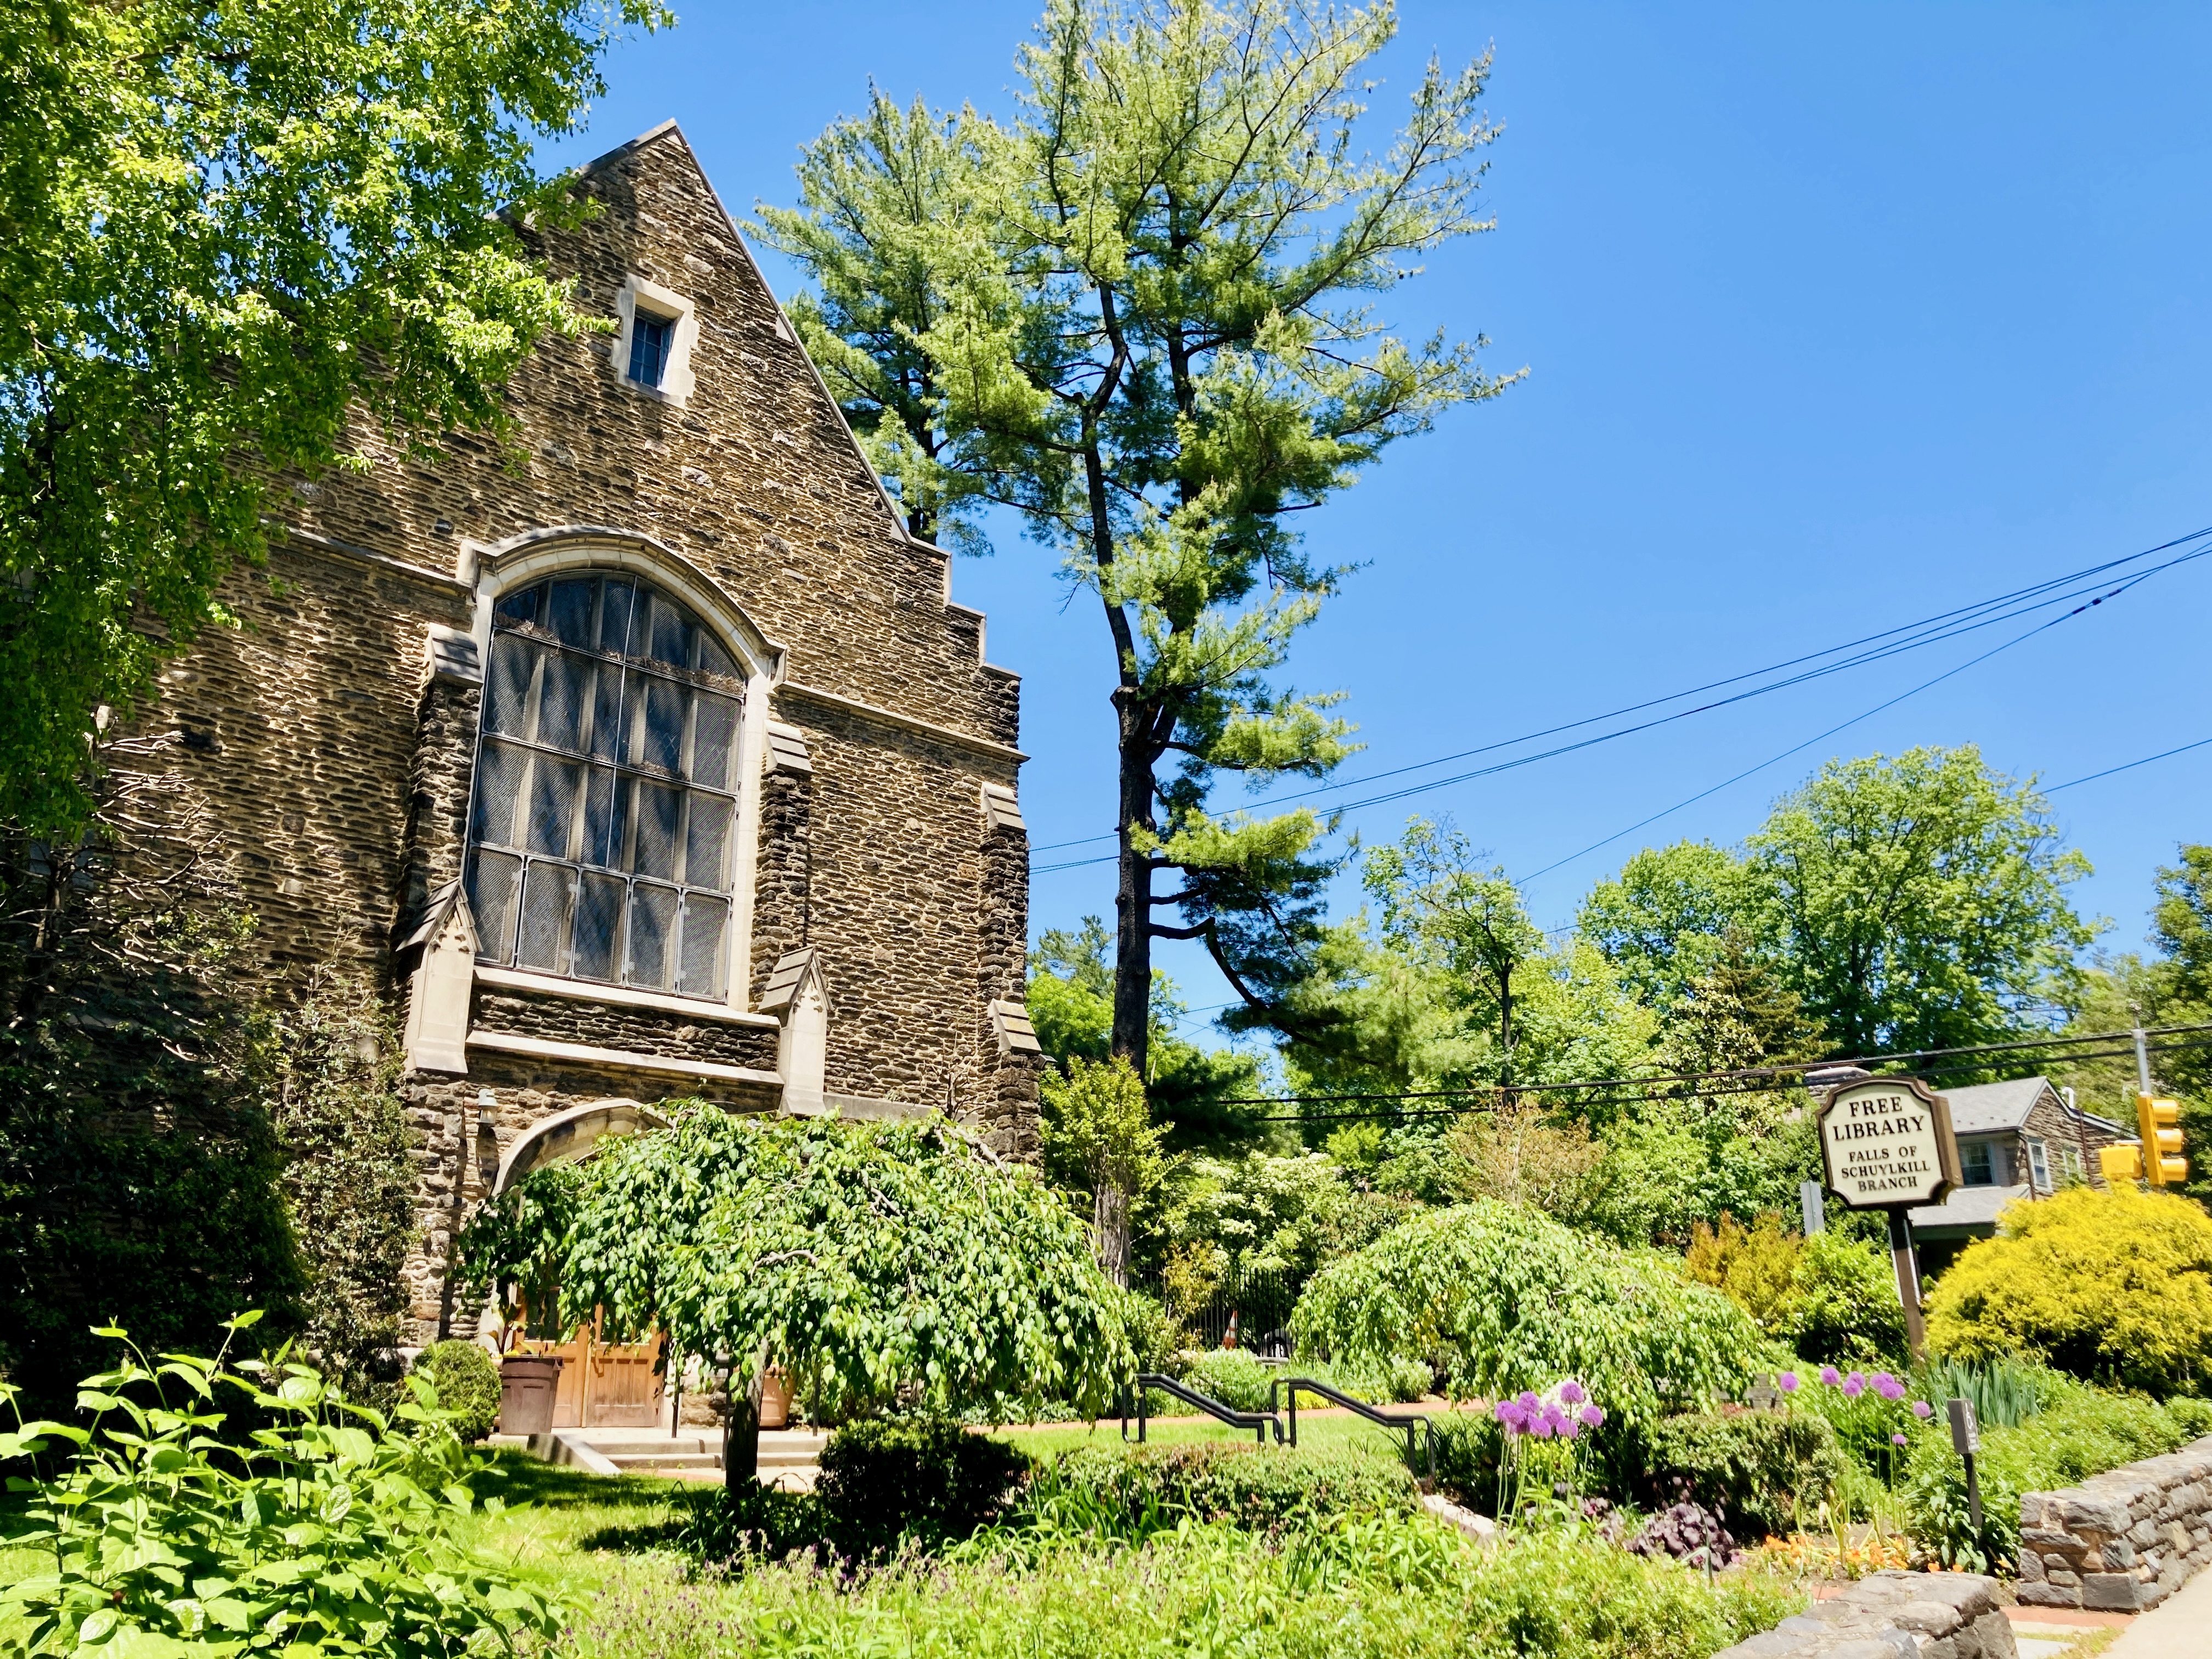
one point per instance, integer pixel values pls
(573, 1134)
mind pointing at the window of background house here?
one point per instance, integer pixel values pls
(601, 838)
(2038, 1165)
(650, 337)
(1974, 1164)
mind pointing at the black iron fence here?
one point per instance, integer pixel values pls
(1253, 1302)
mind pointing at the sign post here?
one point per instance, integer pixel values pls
(1886, 1144)
(1966, 1440)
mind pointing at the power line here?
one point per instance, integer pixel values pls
(1771, 760)
(1928, 631)
(1776, 1069)
(2130, 766)
(2125, 1052)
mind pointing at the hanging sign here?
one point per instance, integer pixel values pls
(1886, 1143)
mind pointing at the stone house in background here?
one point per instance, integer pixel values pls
(659, 763)
(2021, 1140)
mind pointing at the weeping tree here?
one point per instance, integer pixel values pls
(1139, 315)
(879, 1264)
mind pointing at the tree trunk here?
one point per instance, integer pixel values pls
(741, 1431)
(1133, 902)
(1110, 1229)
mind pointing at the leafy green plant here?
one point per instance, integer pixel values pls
(923, 1478)
(1233, 1376)
(2005, 1393)
(1355, 1587)
(1760, 1471)
(877, 1263)
(326, 1530)
(1503, 1299)
(1134, 1491)
(2081, 1431)
(2114, 1285)
(1845, 1309)
(467, 1379)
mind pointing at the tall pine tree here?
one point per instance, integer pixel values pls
(1139, 315)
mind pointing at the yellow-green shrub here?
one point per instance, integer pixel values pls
(2113, 1285)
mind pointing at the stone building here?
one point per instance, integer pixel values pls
(653, 761)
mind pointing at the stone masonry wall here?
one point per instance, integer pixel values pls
(1893, 1615)
(344, 770)
(2122, 1540)
(2061, 1132)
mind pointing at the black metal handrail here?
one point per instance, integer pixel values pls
(1412, 1422)
(1259, 1422)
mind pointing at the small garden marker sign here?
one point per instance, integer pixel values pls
(1886, 1144)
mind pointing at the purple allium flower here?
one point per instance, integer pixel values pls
(1897, 1439)
(1854, 1386)
(1788, 1381)
(1830, 1375)
(1593, 1417)
(1541, 1427)
(1571, 1392)
(1887, 1386)
(1922, 1410)
(1529, 1402)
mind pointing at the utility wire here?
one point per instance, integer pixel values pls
(2125, 1052)
(1822, 737)
(2130, 766)
(1928, 630)
(1776, 1069)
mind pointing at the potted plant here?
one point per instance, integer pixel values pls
(527, 1385)
(775, 1399)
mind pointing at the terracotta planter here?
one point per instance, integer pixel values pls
(775, 1399)
(527, 1383)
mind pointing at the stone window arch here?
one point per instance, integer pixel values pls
(603, 830)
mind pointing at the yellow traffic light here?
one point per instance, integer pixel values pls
(2120, 1162)
(2159, 1122)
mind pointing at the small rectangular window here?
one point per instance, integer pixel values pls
(1974, 1164)
(649, 339)
(2039, 1165)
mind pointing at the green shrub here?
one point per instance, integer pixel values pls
(1381, 1382)
(1384, 1588)
(1844, 1307)
(1469, 1446)
(467, 1382)
(1231, 1375)
(329, 1529)
(1504, 1299)
(1761, 1471)
(2080, 1431)
(1130, 1492)
(2113, 1285)
(924, 1478)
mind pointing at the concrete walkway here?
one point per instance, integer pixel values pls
(2179, 1627)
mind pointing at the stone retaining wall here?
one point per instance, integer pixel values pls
(2120, 1542)
(1893, 1615)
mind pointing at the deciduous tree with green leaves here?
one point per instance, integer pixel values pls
(1920, 902)
(1098, 1135)
(1139, 315)
(874, 1262)
(232, 238)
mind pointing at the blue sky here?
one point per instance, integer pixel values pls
(1834, 317)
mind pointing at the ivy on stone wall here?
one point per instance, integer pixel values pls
(174, 1148)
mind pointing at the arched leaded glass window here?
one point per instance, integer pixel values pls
(602, 840)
